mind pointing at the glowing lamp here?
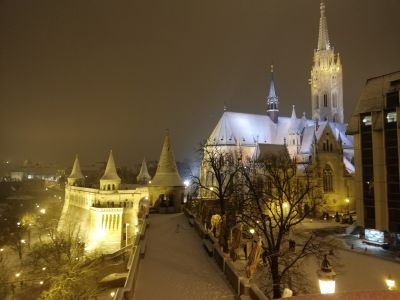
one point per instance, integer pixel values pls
(42, 211)
(390, 283)
(112, 294)
(252, 230)
(326, 277)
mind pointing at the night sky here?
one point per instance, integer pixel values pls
(88, 76)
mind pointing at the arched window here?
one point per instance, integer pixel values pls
(325, 100)
(316, 101)
(334, 100)
(328, 179)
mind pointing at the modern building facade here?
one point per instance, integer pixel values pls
(376, 132)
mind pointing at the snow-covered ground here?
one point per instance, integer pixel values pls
(176, 266)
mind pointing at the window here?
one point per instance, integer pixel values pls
(334, 100)
(391, 117)
(316, 101)
(367, 121)
(325, 100)
(328, 179)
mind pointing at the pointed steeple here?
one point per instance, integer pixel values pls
(293, 121)
(272, 99)
(110, 180)
(323, 37)
(76, 173)
(143, 176)
(167, 172)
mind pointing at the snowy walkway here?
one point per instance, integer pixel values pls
(176, 266)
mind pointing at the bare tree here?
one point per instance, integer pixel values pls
(217, 179)
(271, 195)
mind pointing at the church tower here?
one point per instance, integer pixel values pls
(272, 100)
(326, 78)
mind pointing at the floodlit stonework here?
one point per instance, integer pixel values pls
(321, 141)
(106, 217)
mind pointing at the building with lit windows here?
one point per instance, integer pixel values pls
(376, 132)
(321, 141)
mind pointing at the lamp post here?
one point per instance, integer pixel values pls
(326, 277)
(390, 283)
(347, 200)
(126, 234)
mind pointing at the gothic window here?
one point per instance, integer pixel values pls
(316, 101)
(328, 179)
(334, 100)
(325, 100)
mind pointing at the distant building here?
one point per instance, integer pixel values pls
(376, 132)
(320, 141)
(106, 216)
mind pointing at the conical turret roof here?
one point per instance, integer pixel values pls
(76, 172)
(293, 122)
(144, 173)
(111, 172)
(167, 172)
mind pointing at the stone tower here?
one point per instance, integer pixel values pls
(76, 177)
(143, 176)
(272, 100)
(326, 78)
(166, 187)
(110, 181)
(294, 135)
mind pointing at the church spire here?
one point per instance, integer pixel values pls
(272, 100)
(76, 173)
(323, 37)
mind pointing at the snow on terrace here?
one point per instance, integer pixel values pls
(176, 266)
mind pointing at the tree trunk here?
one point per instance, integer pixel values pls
(276, 279)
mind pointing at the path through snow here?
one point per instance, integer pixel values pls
(176, 266)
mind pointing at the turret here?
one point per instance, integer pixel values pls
(76, 177)
(167, 172)
(293, 143)
(272, 100)
(110, 180)
(143, 177)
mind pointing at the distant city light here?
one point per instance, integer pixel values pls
(41, 282)
(23, 241)
(17, 274)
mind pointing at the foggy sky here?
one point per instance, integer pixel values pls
(89, 76)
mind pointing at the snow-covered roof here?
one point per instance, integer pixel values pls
(167, 172)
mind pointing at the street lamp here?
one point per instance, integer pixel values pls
(126, 234)
(326, 277)
(390, 283)
(43, 211)
(347, 200)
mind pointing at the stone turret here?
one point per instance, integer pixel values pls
(76, 177)
(166, 188)
(293, 143)
(110, 180)
(143, 177)
(167, 172)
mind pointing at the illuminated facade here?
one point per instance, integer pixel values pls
(320, 141)
(106, 217)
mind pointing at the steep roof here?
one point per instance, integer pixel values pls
(167, 172)
(111, 172)
(76, 172)
(323, 38)
(144, 173)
